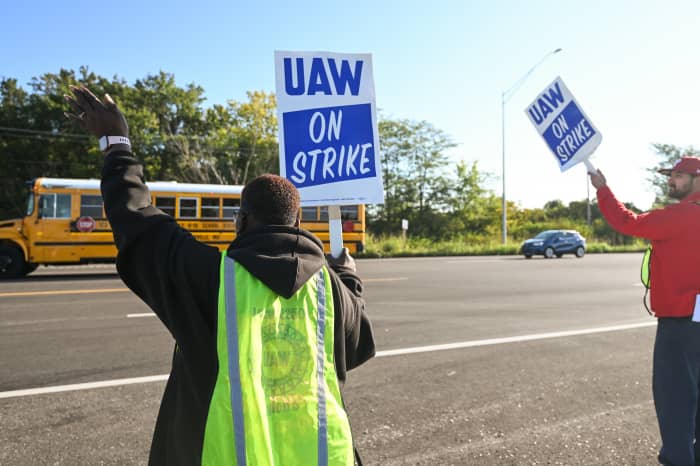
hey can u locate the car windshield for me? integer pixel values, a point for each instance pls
(544, 235)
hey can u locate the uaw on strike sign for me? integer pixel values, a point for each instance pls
(329, 144)
(566, 129)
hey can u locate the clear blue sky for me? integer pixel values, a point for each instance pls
(632, 65)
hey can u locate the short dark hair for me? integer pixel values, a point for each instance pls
(271, 199)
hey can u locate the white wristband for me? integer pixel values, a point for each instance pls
(108, 141)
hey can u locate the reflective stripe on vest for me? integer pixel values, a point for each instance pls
(646, 268)
(276, 400)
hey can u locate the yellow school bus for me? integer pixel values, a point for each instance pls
(65, 222)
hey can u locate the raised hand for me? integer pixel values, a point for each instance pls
(97, 117)
(598, 179)
(344, 261)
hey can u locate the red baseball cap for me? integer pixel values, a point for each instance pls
(689, 165)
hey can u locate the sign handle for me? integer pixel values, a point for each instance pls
(335, 229)
(589, 166)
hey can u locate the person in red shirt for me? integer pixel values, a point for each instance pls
(674, 232)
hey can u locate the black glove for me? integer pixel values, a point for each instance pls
(343, 262)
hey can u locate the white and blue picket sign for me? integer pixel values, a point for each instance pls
(328, 127)
(565, 128)
(329, 141)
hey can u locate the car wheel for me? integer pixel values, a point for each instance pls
(549, 252)
(12, 263)
(580, 252)
(528, 256)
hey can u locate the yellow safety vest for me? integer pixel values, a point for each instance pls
(646, 268)
(646, 278)
(276, 401)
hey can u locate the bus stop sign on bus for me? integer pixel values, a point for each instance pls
(85, 224)
(329, 144)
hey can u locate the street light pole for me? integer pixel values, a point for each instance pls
(588, 201)
(504, 219)
(505, 97)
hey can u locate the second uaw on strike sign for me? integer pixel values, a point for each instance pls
(563, 125)
(329, 143)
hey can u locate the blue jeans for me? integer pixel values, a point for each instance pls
(676, 378)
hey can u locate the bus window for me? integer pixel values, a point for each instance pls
(54, 206)
(91, 206)
(46, 206)
(309, 214)
(231, 207)
(323, 214)
(210, 207)
(166, 204)
(349, 212)
(188, 207)
(63, 206)
(30, 204)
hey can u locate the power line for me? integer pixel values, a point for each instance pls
(57, 134)
(31, 134)
(156, 140)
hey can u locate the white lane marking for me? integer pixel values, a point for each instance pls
(521, 338)
(396, 352)
(82, 386)
(144, 314)
(394, 279)
(60, 292)
(469, 261)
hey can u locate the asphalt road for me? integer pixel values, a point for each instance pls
(550, 363)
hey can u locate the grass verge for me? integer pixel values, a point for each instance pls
(395, 246)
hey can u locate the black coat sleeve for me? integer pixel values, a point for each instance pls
(353, 330)
(177, 276)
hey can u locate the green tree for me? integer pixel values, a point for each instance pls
(255, 131)
(15, 147)
(37, 140)
(473, 211)
(165, 124)
(170, 130)
(414, 170)
(220, 163)
(242, 139)
(394, 137)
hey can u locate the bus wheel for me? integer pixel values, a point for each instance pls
(31, 267)
(12, 263)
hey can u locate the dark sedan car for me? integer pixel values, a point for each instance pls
(552, 243)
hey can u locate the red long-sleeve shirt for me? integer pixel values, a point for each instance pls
(674, 232)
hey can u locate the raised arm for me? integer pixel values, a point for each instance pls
(157, 259)
(654, 225)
